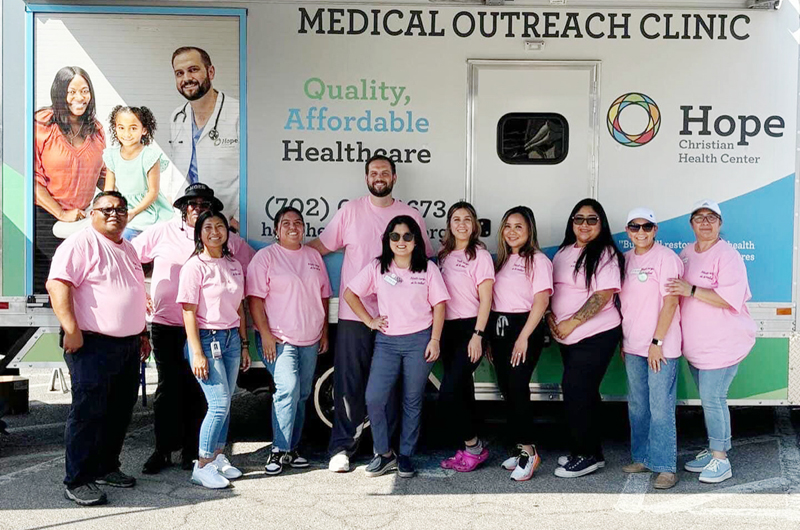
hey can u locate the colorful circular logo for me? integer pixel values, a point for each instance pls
(638, 138)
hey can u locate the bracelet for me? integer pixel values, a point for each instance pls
(245, 342)
(478, 332)
(437, 340)
(694, 288)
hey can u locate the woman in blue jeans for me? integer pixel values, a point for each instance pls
(411, 303)
(211, 291)
(651, 346)
(718, 331)
(288, 291)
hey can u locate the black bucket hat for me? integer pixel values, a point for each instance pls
(198, 190)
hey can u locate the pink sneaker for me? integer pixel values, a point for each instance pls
(450, 463)
(469, 461)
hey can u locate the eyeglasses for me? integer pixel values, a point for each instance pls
(591, 220)
(108, 211)
(408, 237)
(199, 204)
(647, 227)
(710, 218)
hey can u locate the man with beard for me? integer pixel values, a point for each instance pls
(357, 227)
(205, 131)
(96, 286)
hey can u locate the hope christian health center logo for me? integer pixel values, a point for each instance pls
(636, 138)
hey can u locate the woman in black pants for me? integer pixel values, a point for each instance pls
(468, 272)
(522, 289)
(585, 320)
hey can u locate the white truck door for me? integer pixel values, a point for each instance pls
(532, 140)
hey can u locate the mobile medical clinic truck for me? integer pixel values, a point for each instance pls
(642, 103)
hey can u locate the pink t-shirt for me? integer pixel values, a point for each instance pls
(514, 287)
(408, 304)
(216, 286)
(168, 245)
(642, 298)
(714, 337)
(357, 227)
(462, 277)
(108, 293)
(292, 284)
(570, 292)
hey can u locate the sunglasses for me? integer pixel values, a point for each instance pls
(199, 204)
(591, 220)
(711, 218)
(108, 211)
(408, 237)
(647, 227)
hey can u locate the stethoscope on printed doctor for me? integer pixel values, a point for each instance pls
(213, 133)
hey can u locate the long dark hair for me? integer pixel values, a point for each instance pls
(419, 261)
(592, 253)
(449, 242)
(531, 246)
(60, 108)
(198, 230)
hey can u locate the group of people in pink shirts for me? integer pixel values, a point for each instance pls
(398, 314)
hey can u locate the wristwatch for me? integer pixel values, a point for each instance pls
(478, 332)
(658, 342)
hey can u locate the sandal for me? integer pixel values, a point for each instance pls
(450, 463)
(469, 461)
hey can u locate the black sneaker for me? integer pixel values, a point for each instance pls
(405, 468)
(274, 465)
(117, 479)
(86, 495)
(578, 466)
(294, 459)
(156, 463)
(380, 465)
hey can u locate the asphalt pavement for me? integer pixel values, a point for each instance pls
(763, 493)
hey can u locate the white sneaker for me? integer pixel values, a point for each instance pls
(340, 463)
(510, 463)
(225, 467)
(208, 476)
(526, 465)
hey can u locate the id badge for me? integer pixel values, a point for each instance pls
(391, 279)
(216, 350)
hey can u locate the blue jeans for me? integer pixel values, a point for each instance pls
(219, 387)
(293, 373)
(713, 386)
(651, 409)
(395, 357)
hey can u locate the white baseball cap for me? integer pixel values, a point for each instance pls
(708, 204)
(641, 213)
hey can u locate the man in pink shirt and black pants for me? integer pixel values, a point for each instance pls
(96, 287)
(357, 227)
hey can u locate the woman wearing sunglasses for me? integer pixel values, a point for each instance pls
(585, 320)
(468, 272)
(651, 344)
(411, 304)
(718, 331)
(522, 289)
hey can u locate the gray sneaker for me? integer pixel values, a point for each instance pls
(86, 495)
(117, 479)
(381, 465)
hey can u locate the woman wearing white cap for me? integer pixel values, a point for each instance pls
(651, 345)
(718, 331)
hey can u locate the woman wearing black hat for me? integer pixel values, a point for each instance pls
(179, 404)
